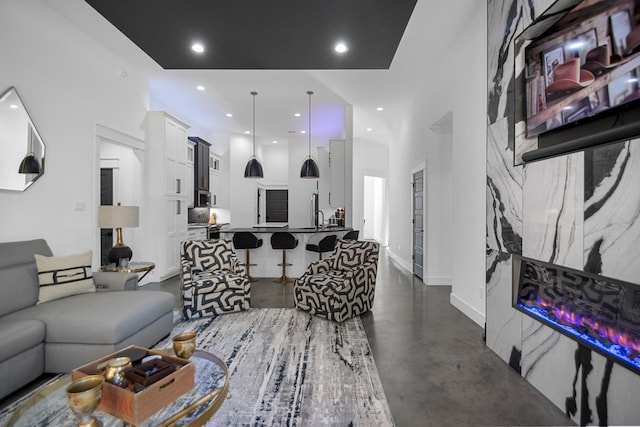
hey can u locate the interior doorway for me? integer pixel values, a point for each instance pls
(418, 223)
(106, 198)
(373, 227)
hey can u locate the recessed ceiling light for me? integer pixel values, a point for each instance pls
(13, 106)
(200, 87)
(229, 115)
(369, 129)
(341, 47)
(297, 114)
(197, 47)
(379, 109)
(248, 132)
(275, 142)
(303, 131)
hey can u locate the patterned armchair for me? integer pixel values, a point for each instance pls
(213, 281)
(342, 286)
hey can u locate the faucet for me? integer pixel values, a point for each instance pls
(322, 223)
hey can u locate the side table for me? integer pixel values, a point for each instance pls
(143, 267)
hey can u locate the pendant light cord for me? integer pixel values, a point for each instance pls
(309, 93)
(254, 122)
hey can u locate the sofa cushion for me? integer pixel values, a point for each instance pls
(18, 336)
(18, 274)
(61, 277)
(99, 318)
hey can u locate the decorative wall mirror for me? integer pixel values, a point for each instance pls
(22, 160)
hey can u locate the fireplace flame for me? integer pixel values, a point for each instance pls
(626, 344)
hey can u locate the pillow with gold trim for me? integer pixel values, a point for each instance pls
(61, 277)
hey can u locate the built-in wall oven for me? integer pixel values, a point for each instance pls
(203, 199)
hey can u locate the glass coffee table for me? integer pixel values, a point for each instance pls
(49, 405)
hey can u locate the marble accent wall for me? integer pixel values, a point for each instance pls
(580, 210)
(612, 211)
(552, 205)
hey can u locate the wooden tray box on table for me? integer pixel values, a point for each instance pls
(132, 407)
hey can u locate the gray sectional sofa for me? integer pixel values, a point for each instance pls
(62, 334)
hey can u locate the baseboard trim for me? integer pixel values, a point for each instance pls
(467, 310)
(437, 280)
(401, 262)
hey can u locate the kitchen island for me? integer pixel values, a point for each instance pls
(267, 259)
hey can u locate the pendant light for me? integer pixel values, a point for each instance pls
(309, 168)
(29, 164)
(253, 168)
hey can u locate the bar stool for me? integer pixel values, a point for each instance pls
(351, 235)
(246, 240)
(283, 240)
(327, 244)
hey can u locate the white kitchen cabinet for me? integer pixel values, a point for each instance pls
(214, 178)
(336, 173)
(218, 176)
(169, 193)
(324, 182)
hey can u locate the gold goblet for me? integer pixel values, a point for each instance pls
(184, 344)
(84, 396)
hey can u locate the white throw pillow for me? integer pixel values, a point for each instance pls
(61, 277)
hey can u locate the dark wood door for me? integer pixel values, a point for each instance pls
(277, 206)
(106, 198)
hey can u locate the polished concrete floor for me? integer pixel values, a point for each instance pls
(434, 365)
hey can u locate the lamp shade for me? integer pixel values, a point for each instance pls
(118, 216)
(29, 164)
(253, 168)
(309, 169)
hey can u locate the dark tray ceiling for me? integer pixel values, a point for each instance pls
(262, 34)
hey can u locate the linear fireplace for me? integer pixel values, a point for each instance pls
(599, 312)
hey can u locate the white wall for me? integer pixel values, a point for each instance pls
(457, 83)
(69, 83)
(242, 191)
(369, 159)
(438, 191)
(300, 190)
(275, 164)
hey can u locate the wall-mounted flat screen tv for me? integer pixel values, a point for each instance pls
(585, 64)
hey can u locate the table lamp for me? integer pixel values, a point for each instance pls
(117, 217)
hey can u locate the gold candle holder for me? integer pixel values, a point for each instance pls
(184, 344)
(84, 396)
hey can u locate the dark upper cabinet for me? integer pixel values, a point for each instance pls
(201, 171)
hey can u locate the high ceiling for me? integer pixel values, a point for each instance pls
(259, 34)
(406, 50)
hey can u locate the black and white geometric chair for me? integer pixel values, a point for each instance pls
(342, 286)
(213, 280)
